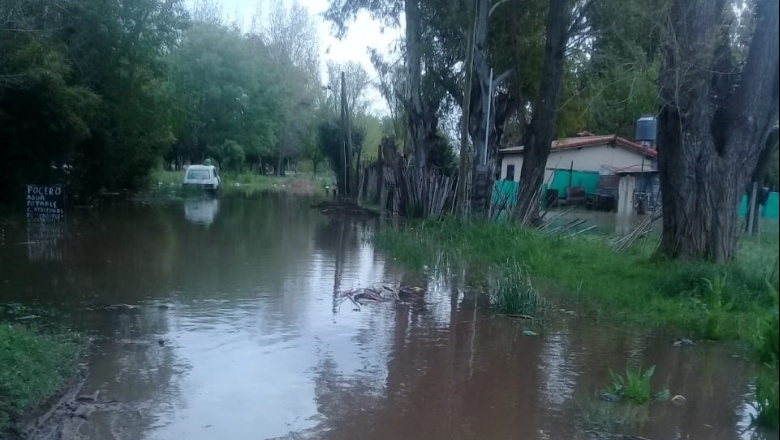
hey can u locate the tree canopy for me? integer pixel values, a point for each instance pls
(95, 94)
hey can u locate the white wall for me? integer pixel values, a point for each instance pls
(585, 159)
(626, 189)
(517, 161)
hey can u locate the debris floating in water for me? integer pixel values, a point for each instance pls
(381, 293)
(683, 342)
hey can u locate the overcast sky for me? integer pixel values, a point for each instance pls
(364, 33)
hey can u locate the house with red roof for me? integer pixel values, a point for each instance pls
(592, 165)
(586, 153)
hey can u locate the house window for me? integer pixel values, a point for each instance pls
(510, 172)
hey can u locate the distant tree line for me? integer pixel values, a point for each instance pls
(94, 94)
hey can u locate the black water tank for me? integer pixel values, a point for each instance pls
(645, 129)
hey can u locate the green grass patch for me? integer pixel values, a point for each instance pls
(766, 337)
(249, 182)
(512, 292)
(33, 367)
(633, 385)
(767, 397)
(697, 299)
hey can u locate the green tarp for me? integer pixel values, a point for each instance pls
(586, 179)
(505, 191)
(769, 210)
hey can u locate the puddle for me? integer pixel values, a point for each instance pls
(238, 333)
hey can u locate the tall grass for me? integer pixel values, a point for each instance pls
(512, 292)
(766, 338)
(766, 344)
(768, 397)
(697, 299)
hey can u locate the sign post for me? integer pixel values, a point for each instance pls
(45, 203)
(45, 222)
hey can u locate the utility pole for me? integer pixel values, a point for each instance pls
(346, 135)
(342, 150)
(483, 159)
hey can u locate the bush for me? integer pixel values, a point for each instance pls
(513, 293)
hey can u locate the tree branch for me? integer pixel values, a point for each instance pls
(493, 8)
(758, 86)
(449, 84)
(501, 78)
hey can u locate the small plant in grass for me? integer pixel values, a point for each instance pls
(767, 395)
(513, 293)
(766, 338)
(634, 385)
(714, 306)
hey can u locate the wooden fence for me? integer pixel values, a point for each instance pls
(403, 190)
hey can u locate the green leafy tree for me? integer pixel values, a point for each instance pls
(97, 107)
(118, 48)
(226, 85)
(329, 138)
(229, 155)
(292, 44)
(40, 140)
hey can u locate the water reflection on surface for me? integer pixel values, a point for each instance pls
(202, 210)
(239, 335)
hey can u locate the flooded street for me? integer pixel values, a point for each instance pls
(218, 319)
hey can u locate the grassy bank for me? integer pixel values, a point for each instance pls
(34, 367)
(737, 301)
(691, 299)
(249, 182)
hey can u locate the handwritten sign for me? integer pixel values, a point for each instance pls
(45, 203)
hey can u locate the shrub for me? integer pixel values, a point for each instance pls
(513, 293)
(634, 385)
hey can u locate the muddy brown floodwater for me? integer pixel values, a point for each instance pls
(236, 335)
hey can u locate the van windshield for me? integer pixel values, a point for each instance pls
(198, 174)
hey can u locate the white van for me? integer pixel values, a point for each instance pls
(201, 176)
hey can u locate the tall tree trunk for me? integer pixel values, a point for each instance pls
(280, 165)
(709, 138)
(415, 111)
(487, 113)
(539, 136)
(464, 123)
(343, 167)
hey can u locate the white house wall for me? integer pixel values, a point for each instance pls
(585, 159)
